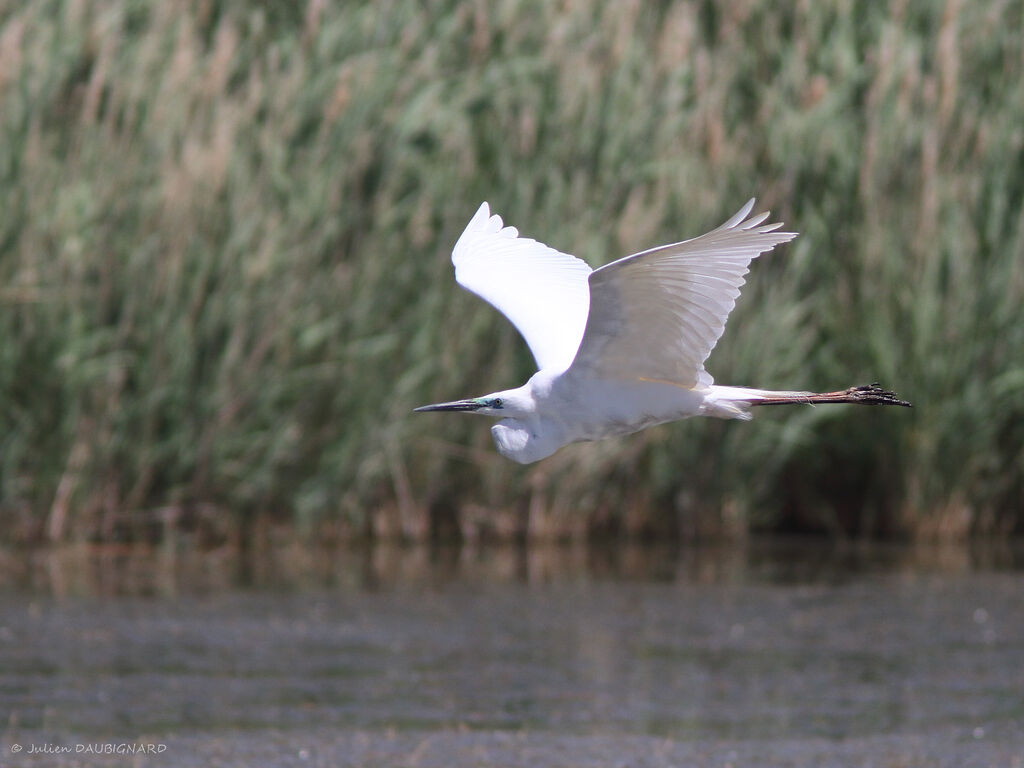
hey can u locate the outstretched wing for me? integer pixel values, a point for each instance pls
(657, 315)
(543, 292)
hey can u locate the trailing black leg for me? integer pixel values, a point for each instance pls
(868, 394)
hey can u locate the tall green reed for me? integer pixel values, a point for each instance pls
(225, 231)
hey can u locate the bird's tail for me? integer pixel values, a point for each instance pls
(733, 402)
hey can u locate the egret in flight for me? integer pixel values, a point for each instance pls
(622, 347)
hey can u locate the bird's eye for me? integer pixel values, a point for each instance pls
(496, 402)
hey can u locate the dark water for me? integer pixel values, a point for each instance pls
(768, 654)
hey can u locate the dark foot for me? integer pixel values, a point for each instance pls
(872, 394)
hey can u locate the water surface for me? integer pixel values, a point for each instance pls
(767, 654)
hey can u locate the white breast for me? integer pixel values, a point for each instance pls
(521, 443)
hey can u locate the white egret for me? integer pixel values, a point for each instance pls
(622, 347)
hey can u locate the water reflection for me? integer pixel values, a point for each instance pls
(771, 652)
(85, 570)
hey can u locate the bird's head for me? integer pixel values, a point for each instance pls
(511, 403)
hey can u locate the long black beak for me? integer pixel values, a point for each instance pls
(457, 405)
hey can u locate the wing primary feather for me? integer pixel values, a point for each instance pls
(755, 220)
(739, 216)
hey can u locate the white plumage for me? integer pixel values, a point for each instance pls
(543, 292)
(622, 347)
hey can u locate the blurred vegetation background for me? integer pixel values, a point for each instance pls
(225, 231)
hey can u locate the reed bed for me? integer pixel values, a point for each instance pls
(225, 230)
